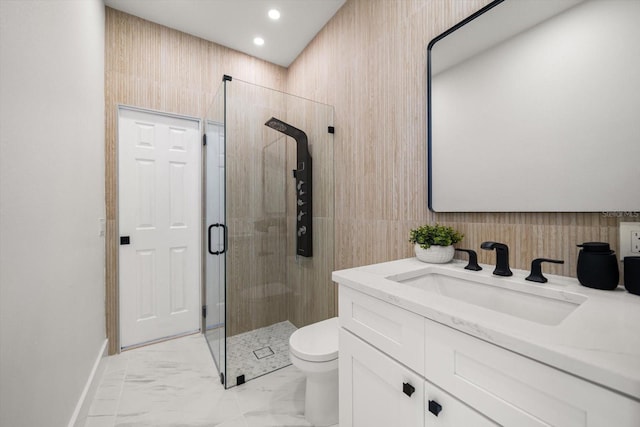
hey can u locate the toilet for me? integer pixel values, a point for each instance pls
(314, 350)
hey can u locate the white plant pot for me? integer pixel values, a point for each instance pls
(435, 254)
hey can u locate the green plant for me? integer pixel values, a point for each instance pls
(439, 235)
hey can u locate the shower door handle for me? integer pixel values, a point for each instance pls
(224, 239)
(209, 239)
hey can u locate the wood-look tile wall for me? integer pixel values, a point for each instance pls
(309, 279)
(154, 67)
(256, 274)
(369, 62)
(266, 282)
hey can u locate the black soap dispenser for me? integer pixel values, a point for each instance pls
(598, 266)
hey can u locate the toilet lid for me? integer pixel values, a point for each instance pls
(317, 342)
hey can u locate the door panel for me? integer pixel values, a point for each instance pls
(145, 282)
(159, 182)
(178, 283)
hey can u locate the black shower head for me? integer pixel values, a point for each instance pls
(293, 132)
(278, 125)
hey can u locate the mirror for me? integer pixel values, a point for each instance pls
(534, 106)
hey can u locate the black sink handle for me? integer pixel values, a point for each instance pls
(536, 269)
(473, 260)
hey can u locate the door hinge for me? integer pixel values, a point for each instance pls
(204, 311)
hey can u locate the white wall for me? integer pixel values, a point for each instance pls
(51, 198)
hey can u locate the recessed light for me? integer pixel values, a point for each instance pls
(258, 41)
(274, 14)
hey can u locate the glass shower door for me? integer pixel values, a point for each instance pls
(215, 233)
(278, 210)
(261, 282)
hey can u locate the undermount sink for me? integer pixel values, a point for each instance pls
(531, 302)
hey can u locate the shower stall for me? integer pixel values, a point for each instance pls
(269, 208)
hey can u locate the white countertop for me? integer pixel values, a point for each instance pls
(599, 341)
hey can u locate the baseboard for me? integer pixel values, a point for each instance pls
(82, 408)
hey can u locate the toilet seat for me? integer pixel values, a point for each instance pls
(317, 342)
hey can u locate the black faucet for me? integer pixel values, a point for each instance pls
(473, 260)
(502, 257)
(536, 269)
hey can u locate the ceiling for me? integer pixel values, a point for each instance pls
(235, 23)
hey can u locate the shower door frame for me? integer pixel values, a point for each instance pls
(215, 147)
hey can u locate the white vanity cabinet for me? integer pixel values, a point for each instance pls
(381, 349)
(398, 368)
(381, 370)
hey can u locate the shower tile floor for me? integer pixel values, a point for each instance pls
(258, 352)
(175, 383)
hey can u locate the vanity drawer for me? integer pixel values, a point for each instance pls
(397, 332)
(516, 391)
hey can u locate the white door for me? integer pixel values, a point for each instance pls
(159, 211)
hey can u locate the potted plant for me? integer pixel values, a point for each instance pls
(434, 243)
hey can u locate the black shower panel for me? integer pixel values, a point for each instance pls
(304, 186)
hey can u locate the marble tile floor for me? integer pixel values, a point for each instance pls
(175, 383)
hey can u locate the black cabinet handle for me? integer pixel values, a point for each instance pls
(434, 407)
(224, 239)
(408, 389)
(124, 240)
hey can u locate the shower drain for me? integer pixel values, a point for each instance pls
(263, 352)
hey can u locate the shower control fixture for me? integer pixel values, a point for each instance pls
(303, 176)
